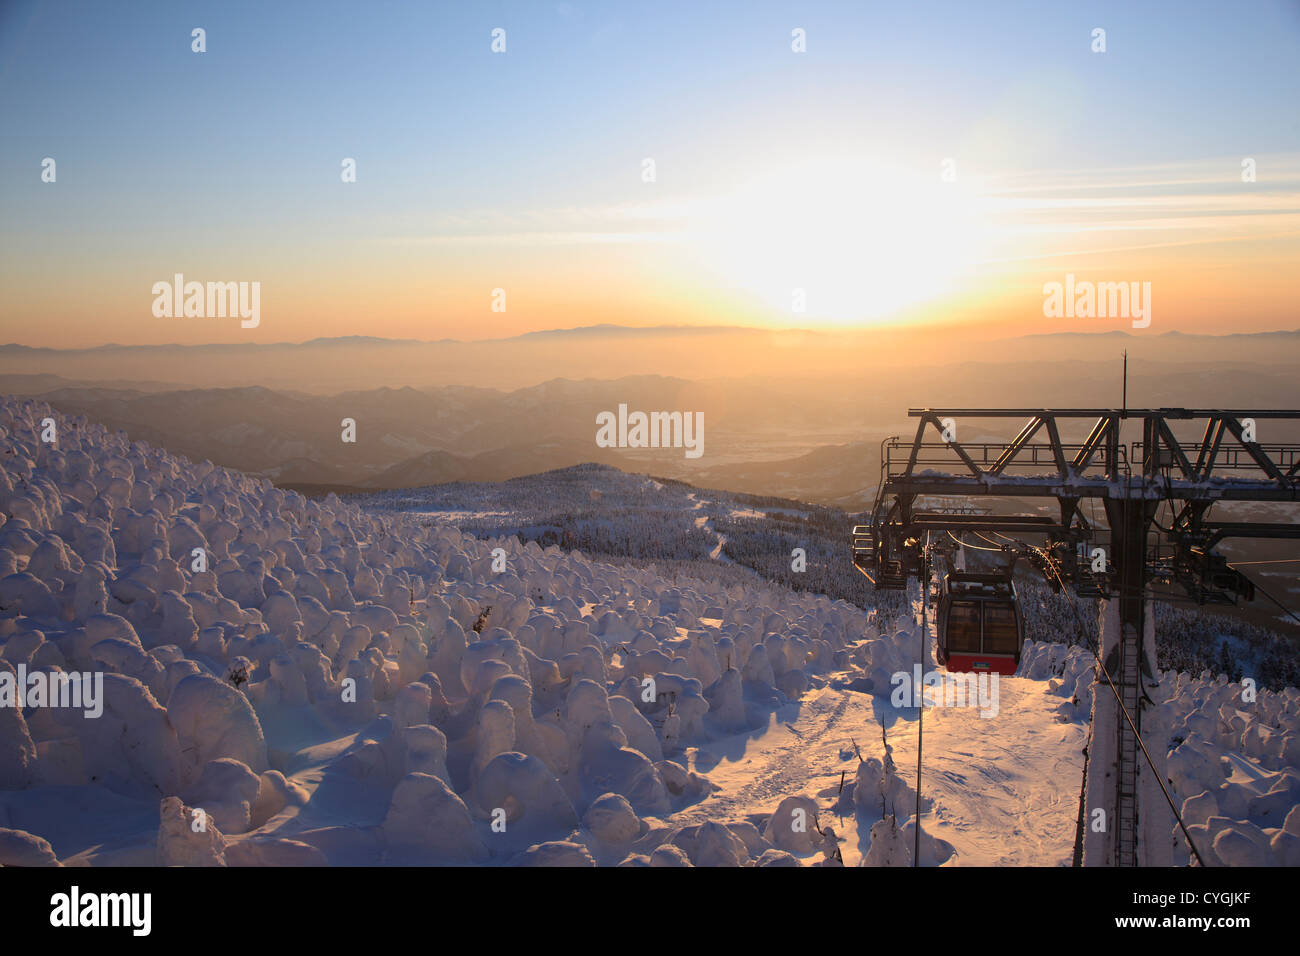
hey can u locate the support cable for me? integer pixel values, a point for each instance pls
(920, 710)
(1267, 595)
(1133, 727)
(974, 547)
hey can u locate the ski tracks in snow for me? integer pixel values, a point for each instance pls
(796, 752)
(702, 522)
(1003, 790)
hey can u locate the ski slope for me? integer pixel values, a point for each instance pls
(1003, 791)
(278, 681)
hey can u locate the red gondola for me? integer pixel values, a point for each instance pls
(979, 625)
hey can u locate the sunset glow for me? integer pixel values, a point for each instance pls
(789, 191)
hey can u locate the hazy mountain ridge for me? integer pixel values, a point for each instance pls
(333, 365)
(816, 441)
(611, 329)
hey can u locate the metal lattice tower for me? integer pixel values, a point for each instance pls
(1131, 482)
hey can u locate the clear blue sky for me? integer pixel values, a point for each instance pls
(159, 147)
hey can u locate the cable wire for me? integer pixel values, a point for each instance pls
(1132, 726)
(920, 711)
(1284, 608)
(973, 547)
(1001, 547)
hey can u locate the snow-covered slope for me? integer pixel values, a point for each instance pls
(618, 516)
(276, 680)
(342, 687)
(1233, 754)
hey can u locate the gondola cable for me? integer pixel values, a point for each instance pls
(1133, 727)
(920, 711)
(1284, 608)
(1128, 718)
(974, 547)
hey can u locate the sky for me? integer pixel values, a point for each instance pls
(918, 164)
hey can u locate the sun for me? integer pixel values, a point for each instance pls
(856, 240)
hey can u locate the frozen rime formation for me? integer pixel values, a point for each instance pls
(328, 684)
(522, 790)
(212, 720)
(1233, 820)
(793, 827)
(427, 821)
(19, 848)
(185, 839)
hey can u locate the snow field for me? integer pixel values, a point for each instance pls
(1233, 755)
(299, 682)
(312, 682)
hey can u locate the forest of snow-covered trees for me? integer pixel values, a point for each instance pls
(610, 515)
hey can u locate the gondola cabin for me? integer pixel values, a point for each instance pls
(979, 625)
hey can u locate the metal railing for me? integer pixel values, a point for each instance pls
(898, 455)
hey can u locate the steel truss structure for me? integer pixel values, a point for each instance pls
(1130, 481)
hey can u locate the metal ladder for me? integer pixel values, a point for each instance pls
(1130, 691)
(885, 574)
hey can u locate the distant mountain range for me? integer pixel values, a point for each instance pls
(331, 365)
(795, 436)
(612, 330)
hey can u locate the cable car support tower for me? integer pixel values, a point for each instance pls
(1118, 563)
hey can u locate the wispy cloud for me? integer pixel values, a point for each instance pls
(567, 225)
(1183, 204)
